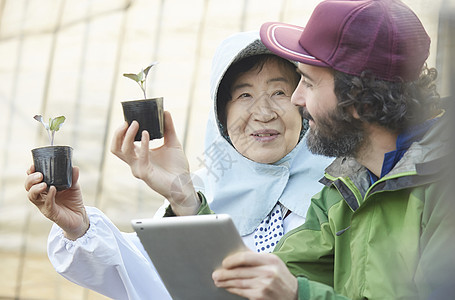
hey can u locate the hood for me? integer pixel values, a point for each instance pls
(240, 187)
(231, 50)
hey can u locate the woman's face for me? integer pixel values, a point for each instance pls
(262, 123)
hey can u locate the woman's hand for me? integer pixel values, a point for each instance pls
(165, 169)
(256, 276)
(65, 208)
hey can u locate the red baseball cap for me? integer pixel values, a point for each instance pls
(384, 37)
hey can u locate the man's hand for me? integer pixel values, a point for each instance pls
(256, 276)
(65, 208)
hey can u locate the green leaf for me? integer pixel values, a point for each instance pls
(134, 77)
(56, 123)
(141, 76)
(146, 70)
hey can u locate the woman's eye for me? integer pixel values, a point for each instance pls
(244, 96)
(279, 93)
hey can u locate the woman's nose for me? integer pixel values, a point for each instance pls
(263, 110)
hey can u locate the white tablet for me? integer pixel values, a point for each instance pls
(186, 251)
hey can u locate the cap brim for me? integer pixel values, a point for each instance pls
(283, 40)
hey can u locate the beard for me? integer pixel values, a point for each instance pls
(334, 136)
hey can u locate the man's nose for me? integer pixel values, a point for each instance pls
(297, 97)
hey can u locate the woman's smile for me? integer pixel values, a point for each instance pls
(265, 135)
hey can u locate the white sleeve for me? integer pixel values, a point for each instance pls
(106, 260)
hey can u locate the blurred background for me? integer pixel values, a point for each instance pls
(67, 57)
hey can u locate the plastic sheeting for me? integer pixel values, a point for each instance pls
(67, 57)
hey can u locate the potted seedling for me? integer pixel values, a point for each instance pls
(55, 162)
(148, 112)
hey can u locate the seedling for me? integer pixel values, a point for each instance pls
(54, 162)
(141, 77)
(51, 127)
(147, 112)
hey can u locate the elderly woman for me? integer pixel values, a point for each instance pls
(256, 166)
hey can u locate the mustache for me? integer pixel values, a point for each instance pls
(304, 113)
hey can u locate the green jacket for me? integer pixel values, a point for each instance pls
(394, 239)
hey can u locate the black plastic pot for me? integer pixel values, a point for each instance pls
(148, 113)
(55, 162)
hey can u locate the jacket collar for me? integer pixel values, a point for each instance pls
(423, 163)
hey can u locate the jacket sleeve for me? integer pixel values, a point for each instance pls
(308, 250)
(315, 290)
(435, 272)
(106, 260)
(204, 208)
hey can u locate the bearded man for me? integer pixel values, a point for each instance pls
(382, 227)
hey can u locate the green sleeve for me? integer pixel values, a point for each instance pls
(315, 290)
(436, 267)
(204, 209)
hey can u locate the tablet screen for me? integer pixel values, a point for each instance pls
(186, 250)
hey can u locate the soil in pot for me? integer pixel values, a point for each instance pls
(148, 113)
(55, 162)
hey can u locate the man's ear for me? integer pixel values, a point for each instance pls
(353, 111)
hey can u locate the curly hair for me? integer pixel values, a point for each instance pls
(393, 105)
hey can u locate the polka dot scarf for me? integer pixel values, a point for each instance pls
(270, 231)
